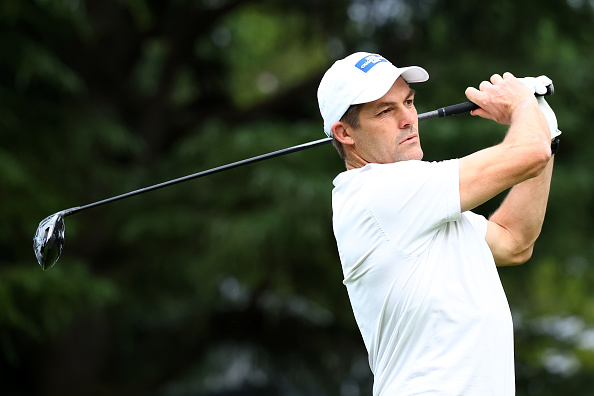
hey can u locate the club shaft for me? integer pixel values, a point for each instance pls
(441, 112)
(207, 172)
(278, 153)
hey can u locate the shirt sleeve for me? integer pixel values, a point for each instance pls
(409, 200)
(479, 222)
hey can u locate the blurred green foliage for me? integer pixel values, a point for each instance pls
(231, 284)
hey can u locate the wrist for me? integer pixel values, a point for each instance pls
(526, 110)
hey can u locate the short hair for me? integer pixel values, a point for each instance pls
(350, 117)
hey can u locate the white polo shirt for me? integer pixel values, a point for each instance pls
(422, 282)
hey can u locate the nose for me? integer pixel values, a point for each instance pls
(408, 118)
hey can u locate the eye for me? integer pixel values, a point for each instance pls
(385, 111)
(409, 102)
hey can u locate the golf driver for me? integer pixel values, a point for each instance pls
(48, 241)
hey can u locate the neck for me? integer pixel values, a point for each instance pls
(354, 161)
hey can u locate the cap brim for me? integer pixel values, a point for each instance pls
(414, 74)
(380, 85)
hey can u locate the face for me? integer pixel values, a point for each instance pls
(388, 129)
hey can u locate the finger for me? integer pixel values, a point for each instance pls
(541, 84)
(544, 80)
(481, 113)
(484, 85)
(496, 78)
(539, 88)
(473, 94)
(477, 96)
(508, 75)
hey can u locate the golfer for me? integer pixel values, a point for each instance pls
(418, 265)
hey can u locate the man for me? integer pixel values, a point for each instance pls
(419, 267)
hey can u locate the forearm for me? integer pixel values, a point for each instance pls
(521, 156)
(522, 212)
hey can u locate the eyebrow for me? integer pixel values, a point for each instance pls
(411, 92)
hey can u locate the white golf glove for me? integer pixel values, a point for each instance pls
(550, 116)
(539, 86)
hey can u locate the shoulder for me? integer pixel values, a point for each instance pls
(404, 176)
(415, 173)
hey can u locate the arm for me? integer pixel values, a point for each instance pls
(522, 160)
(524, 152)
(512, 230)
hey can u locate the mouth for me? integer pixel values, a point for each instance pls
(410, 138)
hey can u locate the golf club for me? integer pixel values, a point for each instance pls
(48, 240)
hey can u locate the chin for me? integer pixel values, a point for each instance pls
(416, 154)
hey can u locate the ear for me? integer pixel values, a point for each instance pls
(342, 132)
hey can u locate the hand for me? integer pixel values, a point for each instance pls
(501, 98)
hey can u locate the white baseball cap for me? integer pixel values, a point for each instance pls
(361, 77)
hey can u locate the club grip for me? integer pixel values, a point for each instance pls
(457, 109)
(469, 106)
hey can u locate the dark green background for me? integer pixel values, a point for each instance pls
(231, 285)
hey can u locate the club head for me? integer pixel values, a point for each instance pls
(49, 240)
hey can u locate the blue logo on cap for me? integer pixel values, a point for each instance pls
(369, 61)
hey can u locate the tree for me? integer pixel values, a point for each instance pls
(232, 283)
